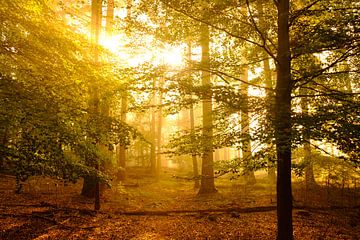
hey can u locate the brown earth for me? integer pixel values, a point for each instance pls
(168, 209)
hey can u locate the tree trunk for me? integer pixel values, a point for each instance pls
(109, 18)
(270, 96)
(88, 185)
(194, 159)
(270, 113)
(122, 147)
(309, 171)
(4, 141)
(152, 133)
(245, 129)
(283, 125)
(192, 129)
(207, 167)
(159, 132)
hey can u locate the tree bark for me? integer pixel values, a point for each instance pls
(192, 130)
(96, 17)
(124, 100)
(152, 133)
(309, 171)
(4, 141)
(283, 125)
(193, 156)
(109, 18)
(122, 147)
(91, 186)
(270, 114)
(245, 128)
(159, 132)
(207, 173)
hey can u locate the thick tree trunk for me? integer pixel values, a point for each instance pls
(89, 185)
(283, 125)
(96, 16)
(207, 173)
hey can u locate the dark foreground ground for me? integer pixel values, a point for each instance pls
(168, 209)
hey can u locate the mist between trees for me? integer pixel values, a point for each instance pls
(260, 94)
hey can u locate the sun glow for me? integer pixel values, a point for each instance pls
(146, 52)
(170, 55)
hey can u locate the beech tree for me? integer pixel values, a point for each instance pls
(40, 142)
(312, 46)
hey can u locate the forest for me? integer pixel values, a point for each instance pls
(180, 119)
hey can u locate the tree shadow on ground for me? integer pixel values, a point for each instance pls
(31, 229)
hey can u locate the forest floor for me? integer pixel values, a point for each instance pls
(143, 208)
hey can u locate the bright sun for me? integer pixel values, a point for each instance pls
(170, 55)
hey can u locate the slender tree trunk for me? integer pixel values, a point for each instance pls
(217, 155)
(159, 131)
(207, 173)
(4, 142)
(245, 128)
(309, 171)
(128, 8)
(122, 147)
(270, 113)
(192, 129)
(152, 133)
(270, 96)
(109, 18)
(283, 125)
(193, 156)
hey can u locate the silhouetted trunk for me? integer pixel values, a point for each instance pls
(97, 18)
(89, 186)
(207, 167)
(4, 142)
(283, 125)
(245, 129)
